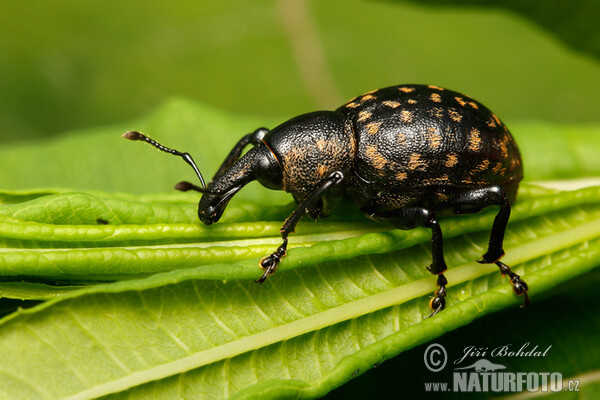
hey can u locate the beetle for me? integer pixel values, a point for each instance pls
(404, 154)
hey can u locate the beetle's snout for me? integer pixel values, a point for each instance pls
(209, 215)
(212, 207)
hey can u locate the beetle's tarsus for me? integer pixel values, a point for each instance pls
(438, 302)
(520, 288)
(269, 264)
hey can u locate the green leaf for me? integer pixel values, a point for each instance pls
(560, 320)
(210, 331)
(95, 252)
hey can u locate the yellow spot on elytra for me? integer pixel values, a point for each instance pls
(406, 116)
(460, 101)
(451, 160)
(498, 169)
(441, 196)
(435, 97)
(352, 105)
(406, 89)
(434, 137)
(437, 112)
(474, 140)
(377, 160)
(474, 105)
(467, 181)
(416, 162)
(437, 180)
(392, 104)
(504, 149)
(454, 115)
(496, 119)
(366, 97)
(373, 128)
(435, 87)
(401, 176)
(363, 115)
(483, 166)
(411, 101)
(491, 123)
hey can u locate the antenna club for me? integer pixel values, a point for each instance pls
(183, 186)
(134, 135)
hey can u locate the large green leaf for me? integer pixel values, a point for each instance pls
(40, 244)
(561, 320)
(210, 331)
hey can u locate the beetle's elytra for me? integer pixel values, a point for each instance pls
(404, 154)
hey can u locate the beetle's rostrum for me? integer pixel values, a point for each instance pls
(404, 154)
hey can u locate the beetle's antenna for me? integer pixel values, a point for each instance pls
(134, 135)
(185, 186)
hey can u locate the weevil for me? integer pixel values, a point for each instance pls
(404, 154)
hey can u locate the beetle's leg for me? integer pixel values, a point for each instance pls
(407, 218)
(269, 263)
(478, 199)
(252, 138)
(518, 284)
(495, 250)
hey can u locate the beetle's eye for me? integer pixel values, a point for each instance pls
(269, 173)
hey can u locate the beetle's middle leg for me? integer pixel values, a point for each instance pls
(411, 217)
(476, 200)
(269, 263)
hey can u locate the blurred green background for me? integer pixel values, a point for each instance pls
(69, 64)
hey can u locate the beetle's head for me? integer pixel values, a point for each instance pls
(258, 164)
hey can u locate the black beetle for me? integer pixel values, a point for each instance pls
(404, 154)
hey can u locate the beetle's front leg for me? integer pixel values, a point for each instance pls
(252, 138)
(269, 263)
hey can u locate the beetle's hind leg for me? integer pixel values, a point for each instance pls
(478, 199)
(269, 263)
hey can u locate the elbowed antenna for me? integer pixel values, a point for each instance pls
(185, 186)
(134, 135)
